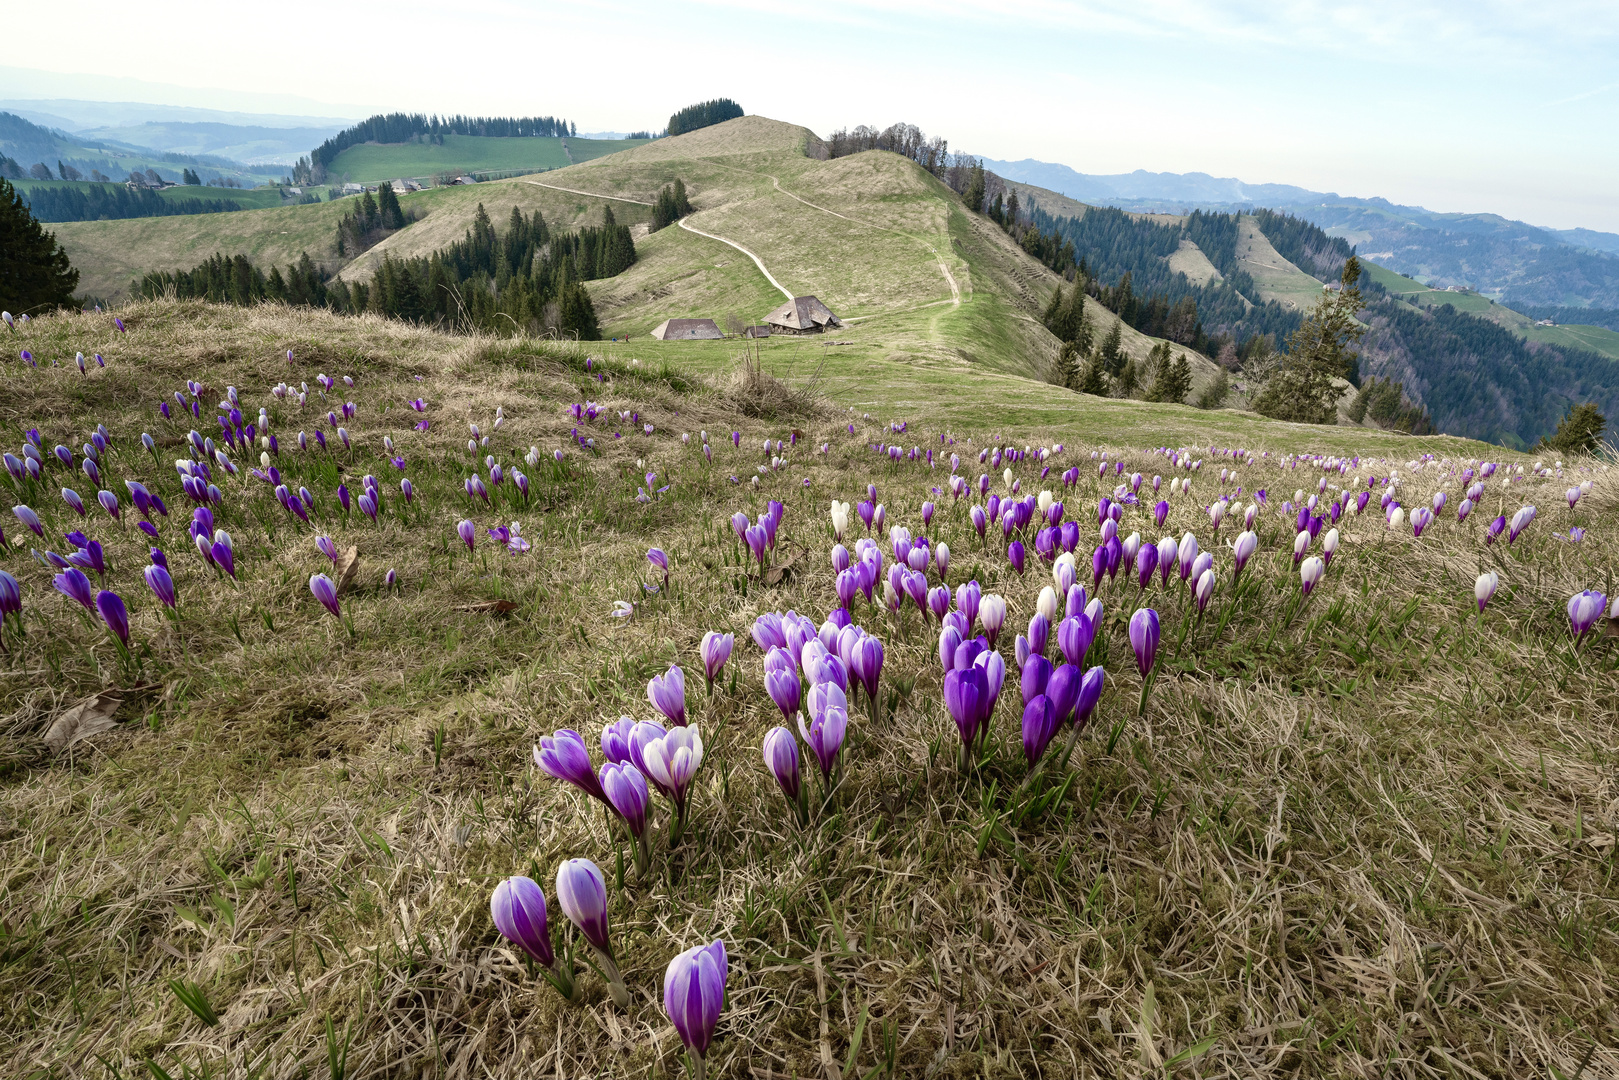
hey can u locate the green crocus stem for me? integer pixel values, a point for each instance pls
(696, 1065)
(801, 806)
(615, 980)
(1185, 624)
(561, 980)
(643, 855)
(1146, 688)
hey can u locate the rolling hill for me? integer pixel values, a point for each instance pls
(891, 250)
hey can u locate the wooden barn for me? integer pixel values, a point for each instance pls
(801, 315)
(687, 330)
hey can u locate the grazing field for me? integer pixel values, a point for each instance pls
(370, 162)
(1361, 830)
(1275, 277)
(248, 198)
(1595, 338)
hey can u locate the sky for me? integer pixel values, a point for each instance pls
(1484, 106)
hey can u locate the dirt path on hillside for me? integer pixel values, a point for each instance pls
(591, 194)
(638, 202)
(685, 224)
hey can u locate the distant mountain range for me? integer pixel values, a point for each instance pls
(1505, 259)
(251, 138)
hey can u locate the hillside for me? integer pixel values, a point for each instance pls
(371, 162)
(891, 250)
(261, 838)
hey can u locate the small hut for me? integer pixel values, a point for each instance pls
(801, 315)
(687, 330)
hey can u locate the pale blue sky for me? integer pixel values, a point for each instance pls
(1511, 108)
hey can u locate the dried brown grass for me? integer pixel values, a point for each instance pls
(1369, 851)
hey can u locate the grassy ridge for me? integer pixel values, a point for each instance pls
(248, 198)
(370, 162)
(1377, 829)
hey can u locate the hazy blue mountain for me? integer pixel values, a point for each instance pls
(239, 142)
(1507, 259)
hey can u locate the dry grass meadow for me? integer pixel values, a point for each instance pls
(1376, 840)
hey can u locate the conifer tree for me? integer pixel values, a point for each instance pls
(1111, 353)
(1093, 379)
(1319, 351)
(35, 274)
(389, 213)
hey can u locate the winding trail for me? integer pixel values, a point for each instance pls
(756, 261)
(590, 194)
(683, 224)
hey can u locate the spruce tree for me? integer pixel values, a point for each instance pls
(1111, 353)
(1093, 379)
(974, 195)
(35, 274)
(1579, 433)
(390, 215)
(682, 204)
(1127, 379)
(1319, 351)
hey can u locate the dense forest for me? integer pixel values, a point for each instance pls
(104, 202)
(404, 127)
(525, 280)
(234, 280)
(1126, 259)
(1479, 379)
(702, 115)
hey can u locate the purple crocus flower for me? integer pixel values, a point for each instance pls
(781, 758)
(26, 515)
(565, 757)
(968, 598)
(468, 532)
(1016, 556)
(693, 995)
(716, 650)
(825, 732)
(626, 792)
(660, 559)
(1484, 588)
(784, 689)
(326, 593)
(1146, 564)
(1495, 529)
(73, 584)
(73, 501)
(582, 892)
(966, 695)
(518, 909)
(1584, 609)
(109, 503)
(667, 693)
(1074, 637)
(866, 663)
(114, 614)
(161, 584)
(1039, 725)
(1144, 638)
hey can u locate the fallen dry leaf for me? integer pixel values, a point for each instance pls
(348, 565)
(782, 571)
(498, 606)
(89, 717)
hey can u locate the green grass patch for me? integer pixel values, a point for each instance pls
(371, 162)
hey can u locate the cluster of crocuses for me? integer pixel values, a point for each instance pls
(640, 757)
(811, 675)
(760, 536)
(907, 576)
(637, 754)
(693, 983)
